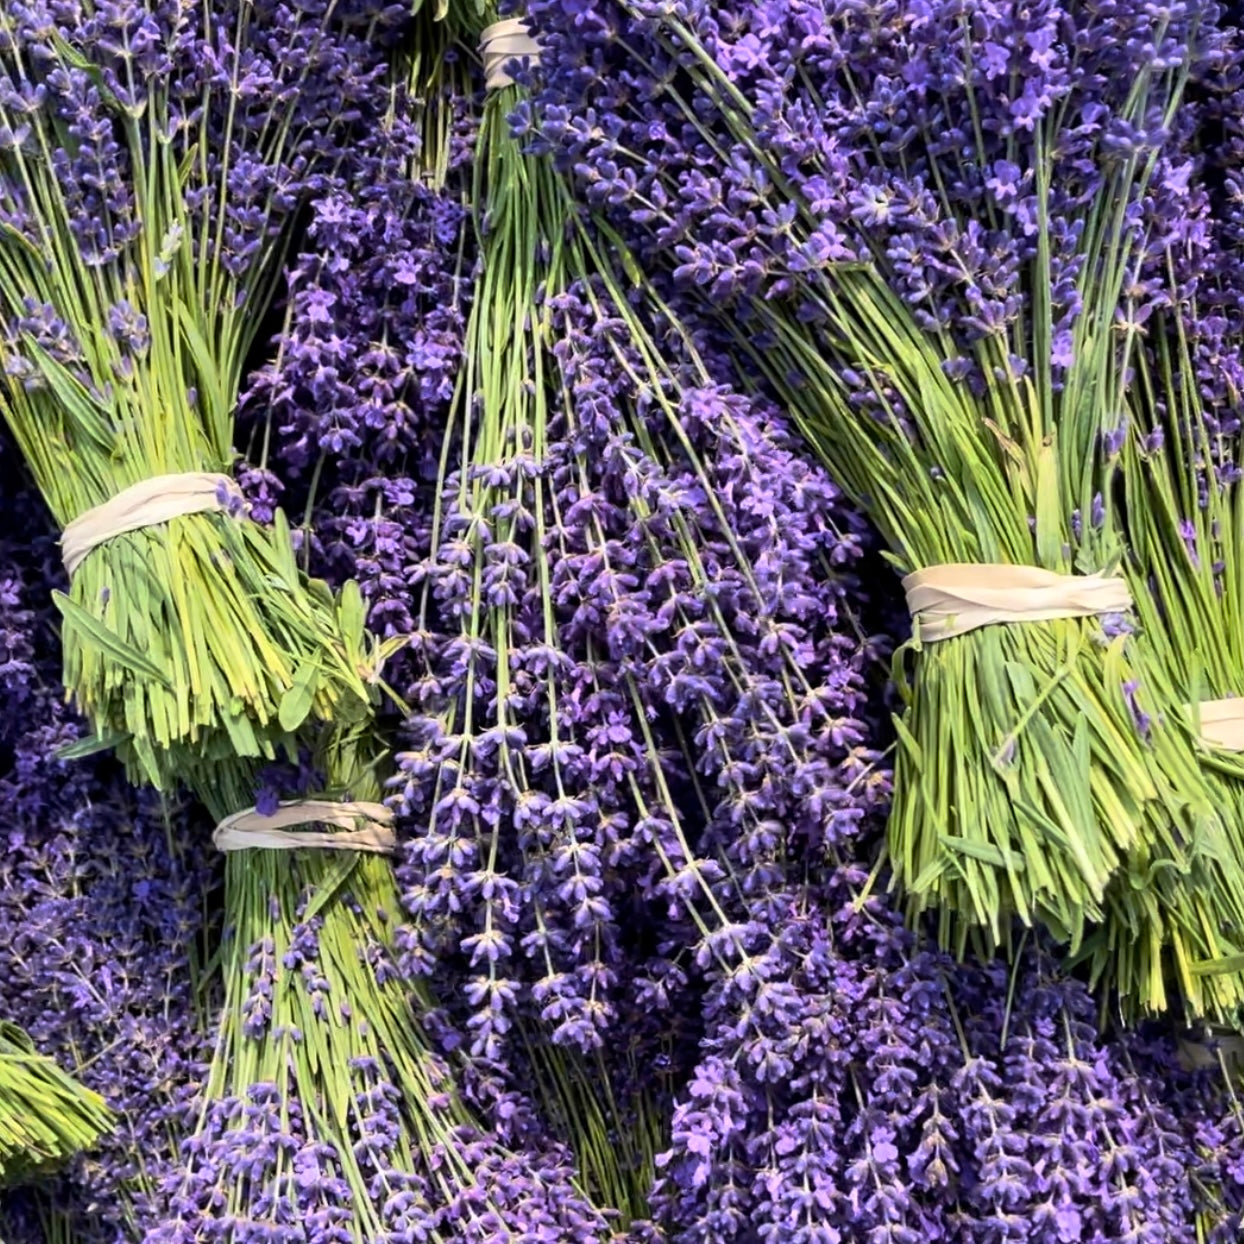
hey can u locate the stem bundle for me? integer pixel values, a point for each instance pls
(45, 1116)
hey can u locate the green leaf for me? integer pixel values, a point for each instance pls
(113, 645)
(211, 386)
(985, 852)
(92, 745)
(333, 880)
(297, 701)
(1218, 967)
(282, 548)
(320, 592)
(13, 234)
(87, 415)
(352, 615)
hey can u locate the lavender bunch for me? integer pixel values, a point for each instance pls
(334, 1107)
(350, 413)
(1180, 322)
(921, 230)
(604, 613)
(587, 588)
(153, 159)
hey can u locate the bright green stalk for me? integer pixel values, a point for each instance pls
(45, 1116)
(1185, 523)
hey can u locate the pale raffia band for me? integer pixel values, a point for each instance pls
(145, 504)
(953, 599)
(245, 830)
(501, 43)
(1222, 723)
(1203, 1055)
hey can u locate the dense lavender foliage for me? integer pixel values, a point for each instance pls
(314, 61)
(905, 128)
(847, 1086)
(102, 907)
(875, 1092)
(652, 652)
(344, 423)
(838, 1084)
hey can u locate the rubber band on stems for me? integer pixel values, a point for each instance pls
(501, 43)
(955, 598)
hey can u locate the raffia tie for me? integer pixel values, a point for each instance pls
(1222, 723)
(1200, 1055)
(285, 829)
(955, 598)
(501, 43)
(146, 504)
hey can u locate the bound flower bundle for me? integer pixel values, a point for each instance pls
(154, 159)
(923, 231)
(604, 624)
(145, 214)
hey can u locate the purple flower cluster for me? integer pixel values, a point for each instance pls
(680, 717)
(255, 101)
(857, 1088)
(632, 810)
(262, 1172)
(344, 421)
(910, 138)
(843, 1085)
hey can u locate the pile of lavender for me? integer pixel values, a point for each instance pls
(537, 388)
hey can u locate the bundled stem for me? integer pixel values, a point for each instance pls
(45, 1116)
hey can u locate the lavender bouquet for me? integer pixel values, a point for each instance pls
(335, 1107)
(587, 588)
(922, 238)
(152, 161)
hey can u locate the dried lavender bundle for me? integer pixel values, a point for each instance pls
(583, 586)
(329, 1110)
(151, 162)
(935, 299)
(387, 261)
